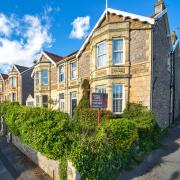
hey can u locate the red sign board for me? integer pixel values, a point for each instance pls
(99, 100)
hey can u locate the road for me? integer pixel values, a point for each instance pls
(162, 164)
(15, 165)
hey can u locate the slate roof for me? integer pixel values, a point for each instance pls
(4, 76)
(54, 57)
(21, 68)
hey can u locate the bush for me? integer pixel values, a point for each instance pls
(101, 157)
(46, 131)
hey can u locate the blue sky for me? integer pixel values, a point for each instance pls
(36, 24)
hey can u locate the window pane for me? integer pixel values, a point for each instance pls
(117, 98)
(117, 51)
(61, 72)
(101, 54)
(44, 77)
(73, 70)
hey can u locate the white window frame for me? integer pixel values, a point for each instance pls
(45, 84)
(37, 103)
(60, 73)
(100, 55)
(73, 70)
(100, 89)
(123, 98)
(123, 51)
(37, 78)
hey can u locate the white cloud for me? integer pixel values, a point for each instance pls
(22, 39)
(81, 26)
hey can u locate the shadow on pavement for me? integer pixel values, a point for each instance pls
(155, 159)
(18, 165)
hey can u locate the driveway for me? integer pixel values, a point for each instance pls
(15, 165)
(162, 164)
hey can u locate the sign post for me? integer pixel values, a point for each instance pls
(99, 101)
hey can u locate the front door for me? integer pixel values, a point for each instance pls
(73, 101)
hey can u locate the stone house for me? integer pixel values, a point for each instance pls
(3, 87)
(130, 57)
(56, 82)
(19, 84)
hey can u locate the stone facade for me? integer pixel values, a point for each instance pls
(144, 73)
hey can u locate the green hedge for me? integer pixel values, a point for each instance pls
(102, 156)
(96, 153)
(46, 131)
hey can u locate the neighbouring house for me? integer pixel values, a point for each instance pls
(30, 100)
(3, 87)
(20, 84)
(56, 81)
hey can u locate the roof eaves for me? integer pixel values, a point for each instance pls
(113, 11)
(175, 45)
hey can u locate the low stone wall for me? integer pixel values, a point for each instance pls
(51, 167)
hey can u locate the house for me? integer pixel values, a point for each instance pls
(56, 81)
(20, 84)
(3, 87)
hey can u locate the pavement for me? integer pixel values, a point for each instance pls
(161, 164)
(15, 165)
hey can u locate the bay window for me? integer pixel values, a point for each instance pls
(101, 54)
(118, 98)
(118, 51)
(61, 73)
(73, 70)
(45, 77)
(12, 82)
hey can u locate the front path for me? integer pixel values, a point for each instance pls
(15, 165)
(162, 164)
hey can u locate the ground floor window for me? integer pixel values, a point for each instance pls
(101, 89)
(30, 103)
(45, 101)
(73, 101)
(61, 102)
(37, 101)
(13, 97)
(118, 94)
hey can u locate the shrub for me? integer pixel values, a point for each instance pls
(101, 157)
(46, 131)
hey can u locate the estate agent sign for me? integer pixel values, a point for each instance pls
(99, 100)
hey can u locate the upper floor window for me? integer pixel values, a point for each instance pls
(61, 73)
(1, 87)
(37, 78)
(45, 77)
(73, 70)
(101, 89)
(101, 55)
(118, 51)
(12, 82)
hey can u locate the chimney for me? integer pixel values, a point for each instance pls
(173, 37)
(159, 6)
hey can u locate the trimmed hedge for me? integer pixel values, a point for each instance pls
(102, 156)
(96, 153)
(46, 131)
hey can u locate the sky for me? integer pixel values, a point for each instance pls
(59, 26)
